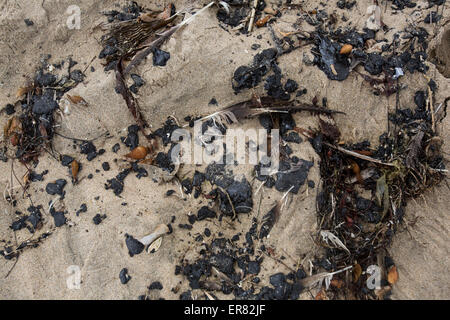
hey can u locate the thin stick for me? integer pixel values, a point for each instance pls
(81, 140)
(433, 124)
(357, 155)
(278, 260)
(229, 199)
(252, 17)
(17, 259)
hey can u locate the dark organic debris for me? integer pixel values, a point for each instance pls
(34, 176)
(106, 166)
(138, 81)
(83, 208)
(77, 75)
(292, 176)
(124, 276)
(160, 57)
(165, 133)
(98, 218)
(374, 63)
(116, 184)
(234, 18)
(330, 61)
(379, 217)
(66, 160)
(44, 104)
(134, 246)
(222, 267)
(240, 194)
(433, 17)
(401, 4)
(32, 222)
(205, 213)
(269, 220)
(155, 286)
(9, 109)
(345, 4)
(28, 22)
(246, 77)
(56, 187)
(59, 218)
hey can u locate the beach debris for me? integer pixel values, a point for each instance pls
(56, 187)
(74, 168)
(398, 73)
(224, 268)
(394, 172)
(392, 273)
(83, 208)
(235, 197)
(291, 177)
(148, 240)
(124, 276)
(160, 57)
(374, 20)
(346, 49)
(433, 17)
(402, 4)
(269, 220)
(134, 246)
(262, 22)
(106, 166)
(77, 100)
(330, 61)
(156, 285)
(345, 4)
(357, 272)
(98, 218)
(132, 138)
(238, 14)
(204, 213)
(117, 183)
(138, 153)
(259, 106)
(128, 30)
(327, 236)
(129, 38)
(31, 131)
(354, 227)
(58, 217)
(321, 278)
(154, 246)
(32, 222)
(247, 77)
(252, 16)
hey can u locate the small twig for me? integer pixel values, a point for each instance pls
(357, 155)
(89, 64)
(278, 260)
(15, 262)
(81, 140)
(231, 203)
(431, 106)
(252, 17)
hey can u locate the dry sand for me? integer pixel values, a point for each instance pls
(203, 59)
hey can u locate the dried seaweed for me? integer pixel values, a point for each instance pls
(353, 228)
(135, 40)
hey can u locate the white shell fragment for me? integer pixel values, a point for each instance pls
(150, 240)
(155, 245)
